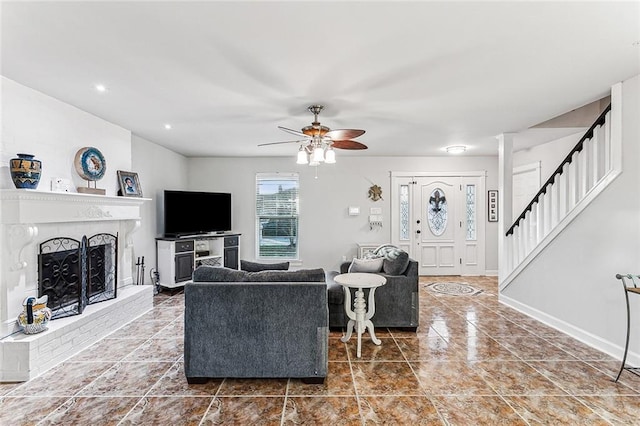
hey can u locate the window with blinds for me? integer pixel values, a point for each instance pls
(277, 215)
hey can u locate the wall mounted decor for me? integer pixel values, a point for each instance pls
(492, 205)
(375, 193)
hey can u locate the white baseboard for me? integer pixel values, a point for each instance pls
(491, 272)
(587, 338)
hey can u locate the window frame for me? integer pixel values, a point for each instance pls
(276, 176)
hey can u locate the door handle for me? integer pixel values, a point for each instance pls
(418, 231)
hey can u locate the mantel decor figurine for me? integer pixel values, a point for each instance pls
(25, 171)
(91, 166)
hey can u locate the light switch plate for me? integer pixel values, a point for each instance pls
(354, 211)
(375, 210)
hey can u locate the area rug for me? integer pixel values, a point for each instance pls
(451, 288)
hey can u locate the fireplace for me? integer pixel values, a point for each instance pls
(76, 273)
(31, 224)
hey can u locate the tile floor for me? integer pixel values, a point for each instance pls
(472, 362)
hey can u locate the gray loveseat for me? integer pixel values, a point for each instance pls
(397, 302)
(264, 324)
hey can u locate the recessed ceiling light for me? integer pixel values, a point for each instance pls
(167, 126)
(456, 149)
(101, 88)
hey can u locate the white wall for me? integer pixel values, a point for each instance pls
(53, 131)
(327, 232)
(549, 154)
(158, 169)
(572, 282)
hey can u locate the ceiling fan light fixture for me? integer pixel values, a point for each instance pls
(318, 155)
(330, 156)
(456, 149)
(302, 156)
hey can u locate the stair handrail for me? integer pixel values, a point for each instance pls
(577, 148)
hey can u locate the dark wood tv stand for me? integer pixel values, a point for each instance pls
(177, 257)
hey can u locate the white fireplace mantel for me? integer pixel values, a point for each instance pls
(24, 206)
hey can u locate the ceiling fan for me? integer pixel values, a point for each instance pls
(317, 141)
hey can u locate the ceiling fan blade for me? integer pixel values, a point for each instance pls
(344, 133)
(278, 143)
(348, 144)
(293, 132)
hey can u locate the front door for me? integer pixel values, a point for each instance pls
(436, 220)
(439, 222)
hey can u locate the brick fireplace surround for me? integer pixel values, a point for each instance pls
(29, 217)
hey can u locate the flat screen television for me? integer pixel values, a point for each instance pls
(193, 212)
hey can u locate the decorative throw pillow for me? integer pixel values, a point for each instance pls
(245, 265)
(396, 262)
(366, 265)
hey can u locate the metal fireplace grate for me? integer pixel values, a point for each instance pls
(74, 273)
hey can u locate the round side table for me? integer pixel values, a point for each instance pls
(361, 314)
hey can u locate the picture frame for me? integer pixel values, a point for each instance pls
(129, 184)
(492, 205)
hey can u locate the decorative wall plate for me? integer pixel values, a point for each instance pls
(90, 163)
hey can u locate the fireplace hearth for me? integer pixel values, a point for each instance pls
(76, 273)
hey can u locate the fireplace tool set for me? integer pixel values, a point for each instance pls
(140, 271)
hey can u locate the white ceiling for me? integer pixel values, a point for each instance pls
(417, 76)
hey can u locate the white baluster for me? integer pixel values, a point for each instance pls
(547, 211)
(574, 180)
(583, 172)
(595, 156)
(555, 203)
(563, 191)
(533, 226)
(540, 214)
(607, 143)
(509, 254)
(519, 247)
(526, 243)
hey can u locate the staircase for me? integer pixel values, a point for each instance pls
(586, 171)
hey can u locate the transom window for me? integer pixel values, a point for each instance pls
(277, 215)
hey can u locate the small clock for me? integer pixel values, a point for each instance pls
(90, 163)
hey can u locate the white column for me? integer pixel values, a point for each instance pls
(505, 195)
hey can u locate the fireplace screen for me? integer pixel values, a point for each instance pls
(76, 273)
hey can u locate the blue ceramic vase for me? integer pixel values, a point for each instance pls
(25, 171)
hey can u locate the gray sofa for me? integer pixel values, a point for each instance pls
(397, 302)
(264, 324)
